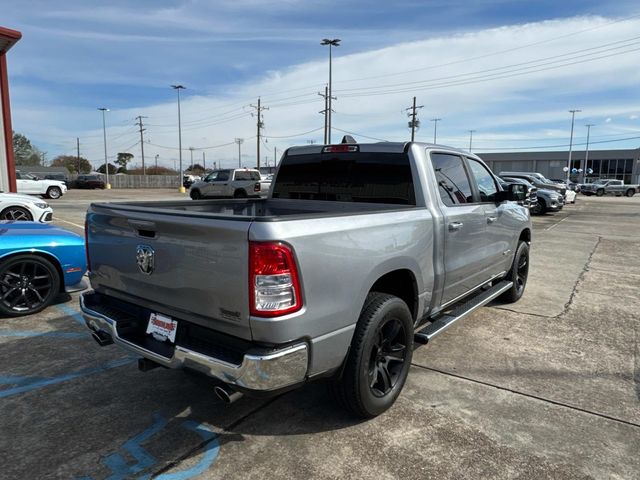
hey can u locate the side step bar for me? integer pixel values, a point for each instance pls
(461, 311)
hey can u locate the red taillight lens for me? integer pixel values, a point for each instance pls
(256, 187)
(340, 148)
(274, 287)
(86, 244)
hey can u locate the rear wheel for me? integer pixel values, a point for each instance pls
(240, 194)
(599, 192)
(518, 274)
(28, 284)
(379, 358)
(54, 192)
(16, 213)
(630, 193)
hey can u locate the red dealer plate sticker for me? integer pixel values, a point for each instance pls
(162, 327)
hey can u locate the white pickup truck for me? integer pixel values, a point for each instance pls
(33, 185)
(235, 183)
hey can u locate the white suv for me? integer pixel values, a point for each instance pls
(32, 185)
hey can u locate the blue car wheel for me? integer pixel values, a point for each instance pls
(28, 284)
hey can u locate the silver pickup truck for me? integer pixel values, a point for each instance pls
(359, 250)
(609, 187)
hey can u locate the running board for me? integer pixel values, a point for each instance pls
(461, 311)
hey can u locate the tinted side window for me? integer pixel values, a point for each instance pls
(484, 181)
(453, 183)
(222, 176)
(240, 175)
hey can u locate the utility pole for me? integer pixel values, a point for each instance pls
(104, 136)
(157, 161)
(414, 122)
(191, 151)
(239, 142)
(435, 128)
(471, 139)
(275, 158)
(326, 109)
(78, 156)
(586, 152)
(140, 117)
(259, 127)
(177, 88)
(204, 162)
(335, 42)
(573, 116)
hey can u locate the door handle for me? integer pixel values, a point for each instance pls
(491, 219)
(454, 226)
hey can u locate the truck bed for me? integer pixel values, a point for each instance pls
(259, 210)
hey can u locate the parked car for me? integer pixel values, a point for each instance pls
(609, 187)
(32, 185)
(37, 263)
(356, 247)
(89, 181)
(538, 180)
(532, 201)
(570, 186)
(14, 206)
(546, 200)
(61, 177)
(236, 183)
(188, 180)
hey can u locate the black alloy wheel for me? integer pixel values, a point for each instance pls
(387, 357)
(28, 284)
(54, 192)
(16, 213)
(195, 194)
(518, 274)
(379, 358)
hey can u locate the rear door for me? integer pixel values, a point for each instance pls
(466, 255)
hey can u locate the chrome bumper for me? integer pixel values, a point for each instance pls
(261, 372)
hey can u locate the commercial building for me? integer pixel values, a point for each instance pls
(7, 169)
(619, 164)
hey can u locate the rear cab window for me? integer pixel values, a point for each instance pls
(371, 177)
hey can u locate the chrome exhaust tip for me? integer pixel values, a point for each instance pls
(226, 394)
(102, 338)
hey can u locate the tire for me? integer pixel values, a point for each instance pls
(518, 274)
(16, 213)
(54, 192)
(195, 194)
(240, 194)
(536, 210)
(379, 359)
(543, 207)
(630, 192)
(28, 284)
(599, 192)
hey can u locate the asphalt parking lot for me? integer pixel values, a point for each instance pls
(548, 387)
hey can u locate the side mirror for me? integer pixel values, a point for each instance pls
(516, 192)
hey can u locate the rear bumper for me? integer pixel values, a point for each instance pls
(260, 369)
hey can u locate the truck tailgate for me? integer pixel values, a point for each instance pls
(199, 270)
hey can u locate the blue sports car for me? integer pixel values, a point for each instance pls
(38, 262)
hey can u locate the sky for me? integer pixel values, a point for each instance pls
(508, 70)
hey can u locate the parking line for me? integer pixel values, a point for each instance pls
(42, 334)
(70, 223)
(73, 313)
(39, 382)
(557, 223)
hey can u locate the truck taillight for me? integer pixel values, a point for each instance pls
(256, 187)
(274, 286)
(86, 244)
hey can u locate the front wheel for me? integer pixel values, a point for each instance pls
(239, 194)
(599, 192)
(630, 193)
(54, 192)
(16, 213)
(379, 359)
(518, 274)
(28, 284)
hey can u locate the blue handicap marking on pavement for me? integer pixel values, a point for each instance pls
(26, 334)
(21, 384)
(121, 470)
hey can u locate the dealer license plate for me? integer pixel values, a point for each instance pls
(162, 327)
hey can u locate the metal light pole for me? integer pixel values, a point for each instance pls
(191, 150)
(157, 161)
(586, 152)
(332, 43)
(178, 88)
(435, 128)
(573, 116)
(239, 142)
(470, 139)
(104, 135)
